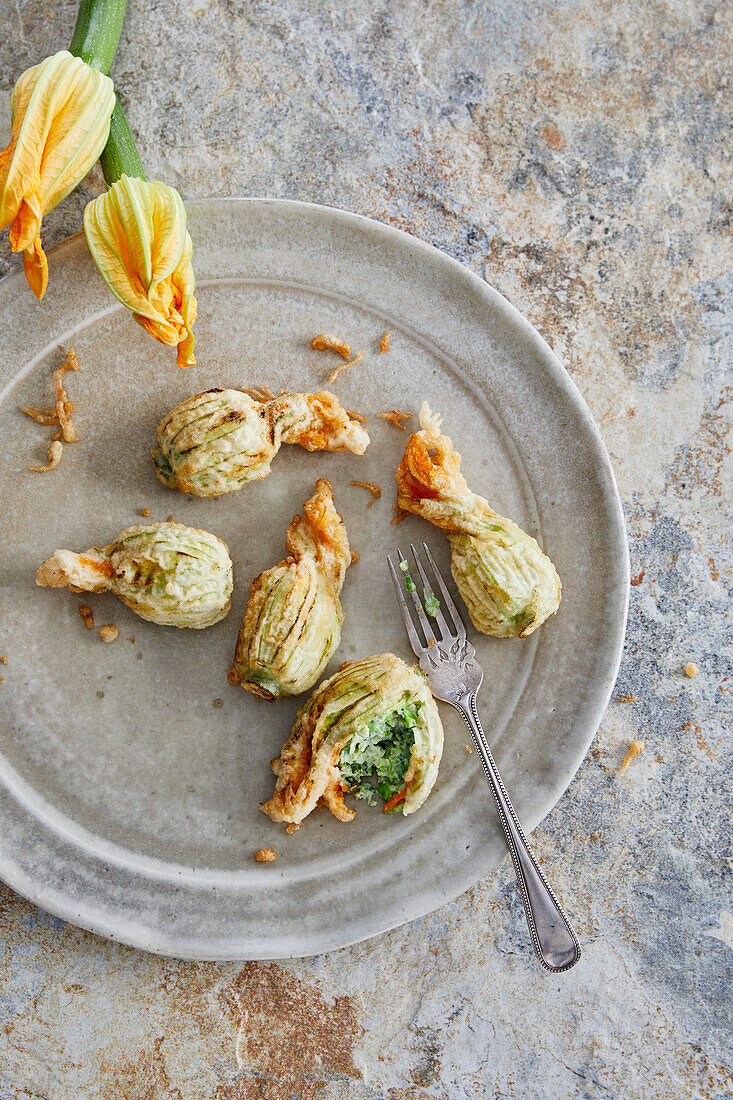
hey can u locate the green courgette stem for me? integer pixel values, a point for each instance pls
(97, 32)
(120, 156)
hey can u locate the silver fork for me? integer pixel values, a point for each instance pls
(449, 661)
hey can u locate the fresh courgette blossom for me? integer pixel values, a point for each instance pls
(508, 585)
(137, 234)
(61, 110)
(167, 573)
(217, 441)
(376, 714)
(292, 624)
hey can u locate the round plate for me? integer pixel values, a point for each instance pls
(131, 773)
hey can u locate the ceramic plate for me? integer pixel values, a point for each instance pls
(131, 773)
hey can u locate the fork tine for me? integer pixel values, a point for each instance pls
(419, 610)
(460, 629)
(446, 633)
(415, 642)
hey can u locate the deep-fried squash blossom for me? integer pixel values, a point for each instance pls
(217, 441)
(508, 585)
(375, 716)
(292, 624)
(166, 572)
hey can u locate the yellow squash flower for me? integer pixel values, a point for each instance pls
(137, 236)
(61, 111)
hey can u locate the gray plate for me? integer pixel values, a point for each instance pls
(128, 799)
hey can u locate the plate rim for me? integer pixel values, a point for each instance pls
(426, 900)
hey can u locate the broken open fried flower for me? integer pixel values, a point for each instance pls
(508, 585)
(61, 112)
(217, 441)
(167, 573)
(375, 717)
(292, 624)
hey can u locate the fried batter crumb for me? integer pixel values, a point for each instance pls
(394, 416)
(431, 643)
(633, 751)
(234, 676)
(145, 512)
(261, 394)
(356, 416)
(371, 487)
(384, 342)
(265, 855)
(172, 519)
(691, 670)
(399, 515)
(626, 699)
(344, 366)
(132, 641)
(54, 457)
(109, 633)
(326, 341)
(292, 829)
(468, 748)
(218, 703)
(3, 660)
(87, 616)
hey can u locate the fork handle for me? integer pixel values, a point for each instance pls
(553, 939)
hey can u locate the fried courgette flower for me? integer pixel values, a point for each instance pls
(217, 441)
(292, 624)
(167, 573)
(375, 716)
(508, 585)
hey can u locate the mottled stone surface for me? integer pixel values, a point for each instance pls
(577, 155)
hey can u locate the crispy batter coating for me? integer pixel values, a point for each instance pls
(292, 623)
(395, 417)
(634, 749)
(307, 768)
(55, 452)
(371, 487)
(384, 342)
(218, 441)
(508, 585)
(345, 366)
(167, 573)
(265, 855)
(326, 341)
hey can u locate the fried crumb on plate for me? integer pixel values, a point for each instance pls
(3, 660)
(384, 342)
(234, 676)
(626, 699)
(145, 512)
(326, 341)
(468, 748)
(109, 633)
(395, 417)
(265, 855)
(87, 616)
(356, 416)
(345, 366)
(293, 828)
(371, 487)
(631, 754)
(172, 519)
(399, 515)
(55, 452)
(691, 670)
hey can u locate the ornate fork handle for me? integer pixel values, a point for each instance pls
(552, 937)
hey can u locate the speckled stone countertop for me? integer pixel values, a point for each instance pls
(577, 156)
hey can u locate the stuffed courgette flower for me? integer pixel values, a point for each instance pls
(375, 716)
(61, 116)
(167, 573)
(217, 441)
(292, 624)
(508, 585)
